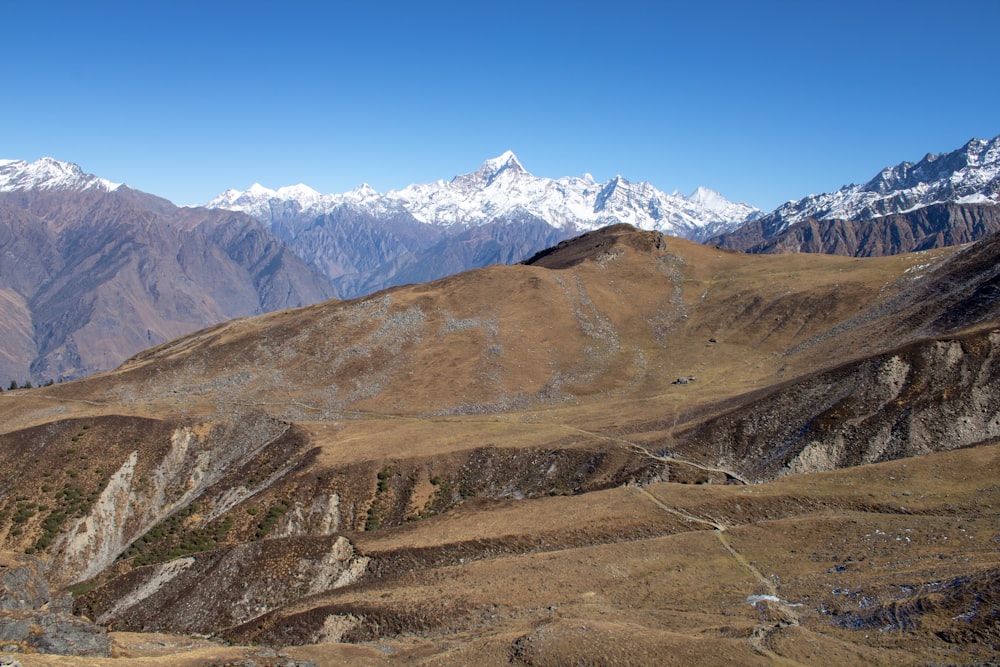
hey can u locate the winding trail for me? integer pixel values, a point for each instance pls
(718, 527)
(758, 642)
(639, 449)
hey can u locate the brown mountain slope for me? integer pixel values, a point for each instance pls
(935, 226)
(90, 278)
(641, 312)
(504, 463)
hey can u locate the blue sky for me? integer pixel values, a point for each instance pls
(762, 101)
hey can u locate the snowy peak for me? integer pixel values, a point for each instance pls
(614, 195)
(502, 190)
(300, 191)
(258, 190)
(363, 192)
(49, 174)
(970, 174)
(237, 200)
(507, 160)
(504, 168)
(707, 198)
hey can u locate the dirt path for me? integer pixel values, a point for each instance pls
(678, 513)
(758, 642)
(656, 457)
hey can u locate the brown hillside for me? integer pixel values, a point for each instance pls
(630, 449)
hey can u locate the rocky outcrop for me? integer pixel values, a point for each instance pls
(131, 503)
(32, 620)
(44, 632)
(928, 396)
(225, 587)
(22, 583)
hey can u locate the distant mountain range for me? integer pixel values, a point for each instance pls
(501, 189)
(944, 199)
(95, 271)
(365, 241)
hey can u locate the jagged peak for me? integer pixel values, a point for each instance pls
(364, 191)
(967, 174)
(492, 169)
(704, 195)
(505, 159)
(615, 182)
(48, 173)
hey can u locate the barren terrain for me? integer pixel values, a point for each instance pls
(630, 450)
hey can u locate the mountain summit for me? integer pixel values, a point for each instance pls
(49, 174)
(507, 163)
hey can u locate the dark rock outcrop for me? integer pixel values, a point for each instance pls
(32, 620)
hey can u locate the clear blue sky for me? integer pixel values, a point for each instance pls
(762, 101)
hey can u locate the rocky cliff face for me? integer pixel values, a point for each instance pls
(925, 397)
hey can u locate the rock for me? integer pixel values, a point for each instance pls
(22, 585)
(31, 619)
(58, 634)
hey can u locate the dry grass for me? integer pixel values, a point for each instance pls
(578, 361)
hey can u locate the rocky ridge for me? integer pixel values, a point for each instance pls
(943, 199)
(968, 175)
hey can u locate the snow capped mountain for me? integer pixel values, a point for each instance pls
(49, 174)
(969, 175)
(503, 190)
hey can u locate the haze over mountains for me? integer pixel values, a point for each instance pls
(95, 271)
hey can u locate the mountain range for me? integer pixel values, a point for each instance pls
(366, 241)
(96, 271)
(944, 199)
